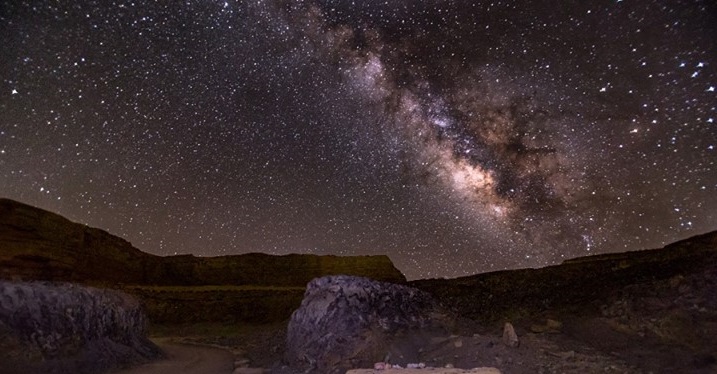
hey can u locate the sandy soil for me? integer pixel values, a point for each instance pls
(187, 359)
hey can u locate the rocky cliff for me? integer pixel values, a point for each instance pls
(66, 328)
(42, 245)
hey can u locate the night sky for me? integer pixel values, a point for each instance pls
(457, 137)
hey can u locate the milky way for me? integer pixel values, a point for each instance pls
(457, 137)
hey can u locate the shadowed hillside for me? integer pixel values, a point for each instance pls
(643, 311)
(40, 245)
(577, 285)
(654, 310)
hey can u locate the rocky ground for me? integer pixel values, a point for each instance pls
(655, 325)
(551, 351)
(652, 311)
(661, 326)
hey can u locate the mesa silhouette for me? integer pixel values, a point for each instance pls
(40, 245)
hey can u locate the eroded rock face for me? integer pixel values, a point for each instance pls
(346, 322)
(69, 328)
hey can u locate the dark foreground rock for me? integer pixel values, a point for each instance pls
(66, 328)
(347, 322)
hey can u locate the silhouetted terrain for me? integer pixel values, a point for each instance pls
(40, 245)
(637, 312)
(654, 309)
(579, 285)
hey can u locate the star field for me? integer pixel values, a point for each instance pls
(457, 137)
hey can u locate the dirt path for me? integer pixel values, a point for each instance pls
(187, 359)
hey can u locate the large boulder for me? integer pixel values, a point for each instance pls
(62, 328)
(347, 322)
